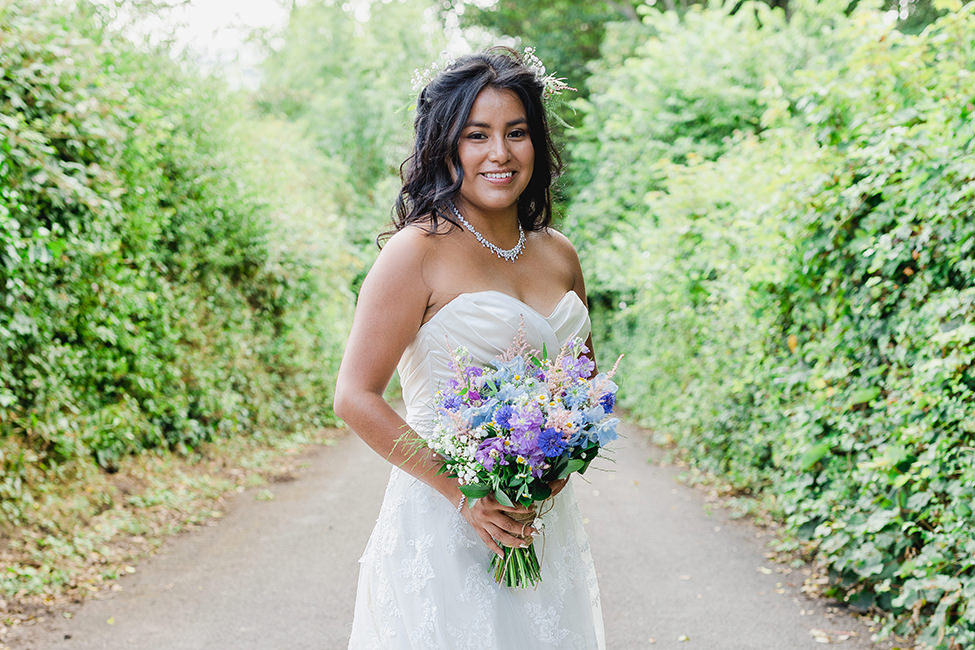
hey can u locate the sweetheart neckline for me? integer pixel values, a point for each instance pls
(510, 297)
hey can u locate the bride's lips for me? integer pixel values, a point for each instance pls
(499, 178)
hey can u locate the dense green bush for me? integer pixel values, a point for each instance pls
(798, 308)
(676, 89)
(153, 294)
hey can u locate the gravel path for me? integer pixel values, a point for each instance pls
(279, 574)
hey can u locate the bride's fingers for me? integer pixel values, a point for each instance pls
(490, 543)
(491, 509)
(500, 526)
(490, 533)
(499, 519)
(506, 538)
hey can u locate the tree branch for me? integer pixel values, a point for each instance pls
(627, 9)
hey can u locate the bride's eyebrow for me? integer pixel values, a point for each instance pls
(482, 125)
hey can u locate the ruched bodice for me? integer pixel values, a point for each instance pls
(424, 578)
(484, 322)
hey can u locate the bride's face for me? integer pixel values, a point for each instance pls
(496, 152)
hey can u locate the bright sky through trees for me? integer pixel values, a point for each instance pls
(217, 33)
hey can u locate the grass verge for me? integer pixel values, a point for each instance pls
(86, 528)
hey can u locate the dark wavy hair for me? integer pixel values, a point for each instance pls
(442, 110)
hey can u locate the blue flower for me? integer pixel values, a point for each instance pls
(475, 416)
(505, 372)
(576, 395)
(503, 416)
(452, 402)
(593, 414)
(608, 401)
(508, 392)
(550, 443)
(605, 431)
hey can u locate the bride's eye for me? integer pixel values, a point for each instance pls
(518, 133)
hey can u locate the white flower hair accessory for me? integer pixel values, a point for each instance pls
(551, 85)
(422, 77)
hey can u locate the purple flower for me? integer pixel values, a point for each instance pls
(608, 400)
(524, 448)
(523, 443)
(473, 371)
(550, 443)
(526, 418)
(580, 367)
(490, 453)
(473, 396)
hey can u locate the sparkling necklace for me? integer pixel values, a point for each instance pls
(510, 254)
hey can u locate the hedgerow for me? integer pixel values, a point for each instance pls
(161, 282)
(796, 293)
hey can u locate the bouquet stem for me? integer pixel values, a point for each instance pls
(518, 568)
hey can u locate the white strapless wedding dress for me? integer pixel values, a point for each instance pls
(424, 578)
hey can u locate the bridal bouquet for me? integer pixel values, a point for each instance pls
(510, 429)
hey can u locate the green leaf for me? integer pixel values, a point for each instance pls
(475, 490)
(814, 454)
(574, 465)
(540, 490)
(864, 395)
(503, 498)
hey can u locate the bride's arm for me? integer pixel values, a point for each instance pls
(392, 302)
(390, 308)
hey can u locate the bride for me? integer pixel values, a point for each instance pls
(472, 260)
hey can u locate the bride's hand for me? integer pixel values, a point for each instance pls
(488, 519)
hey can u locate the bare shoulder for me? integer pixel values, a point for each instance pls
(404, 253)
(560, 243)
(558, 249)
(412, 240)
(561, 257)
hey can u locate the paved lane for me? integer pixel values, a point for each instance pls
(280, 574)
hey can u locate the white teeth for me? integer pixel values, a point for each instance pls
(500, 176)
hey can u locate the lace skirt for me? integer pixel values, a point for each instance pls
(425, 582)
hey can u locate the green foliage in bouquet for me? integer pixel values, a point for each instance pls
(793, 283)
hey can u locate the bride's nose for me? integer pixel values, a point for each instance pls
(499, 150)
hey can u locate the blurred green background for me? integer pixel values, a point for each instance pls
(773, 204)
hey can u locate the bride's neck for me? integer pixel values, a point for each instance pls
(498, 226)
